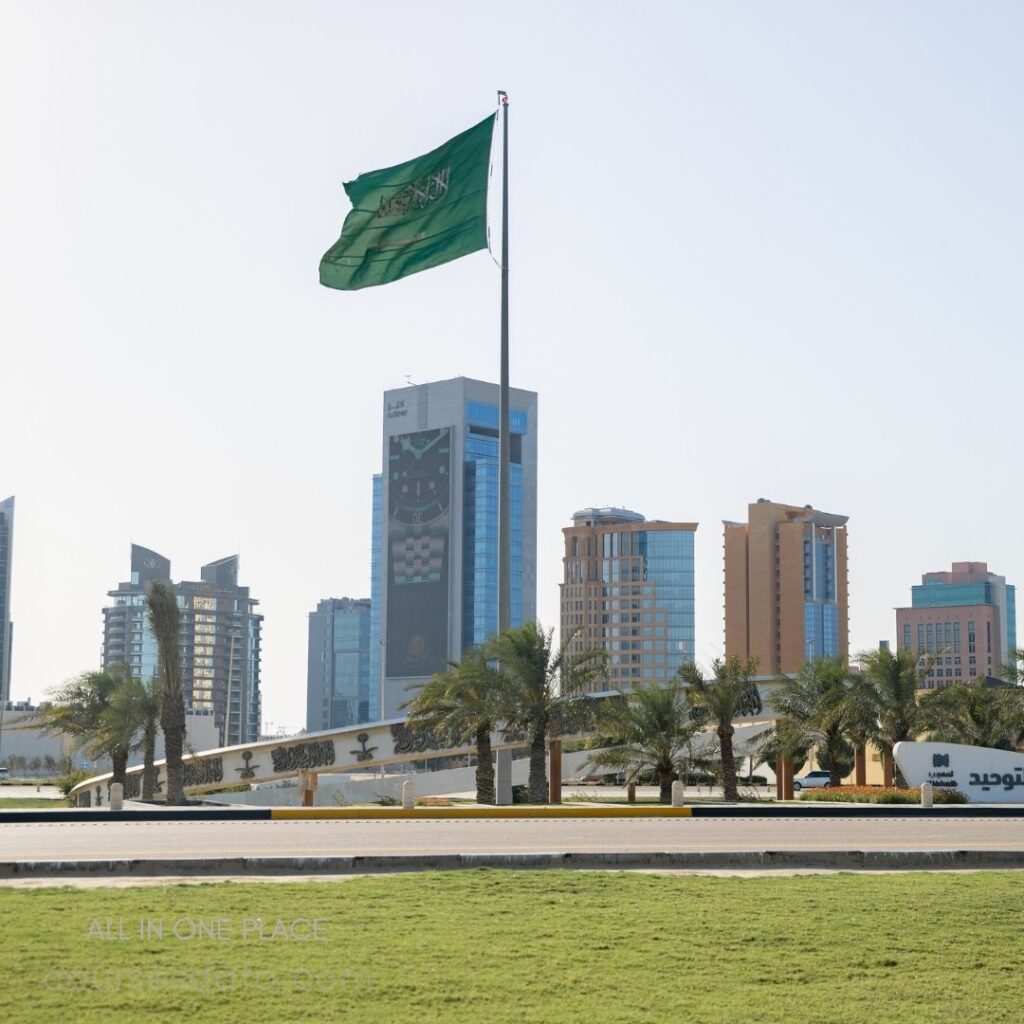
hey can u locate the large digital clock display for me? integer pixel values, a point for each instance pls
(419, 467)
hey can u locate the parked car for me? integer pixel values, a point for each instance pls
(812, 780)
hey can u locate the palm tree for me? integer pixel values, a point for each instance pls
(816, 712)
(976, 714)
(893, 679)
(121, 720)
(94, 708)
(544, 689)
(135, 709)
(1014, 671)
(649, 729)
(778, 743)
(861, 721)
(164, 621)
(463, 704)
(150, 701)
(730, 693)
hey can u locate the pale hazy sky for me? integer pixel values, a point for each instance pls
(758, 249)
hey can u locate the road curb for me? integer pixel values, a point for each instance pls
(786, 810)
(833, 860)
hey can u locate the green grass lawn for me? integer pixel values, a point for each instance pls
(494, 947)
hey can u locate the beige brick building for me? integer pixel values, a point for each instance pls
(786, 586)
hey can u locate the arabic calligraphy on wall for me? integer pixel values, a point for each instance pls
(303, 756)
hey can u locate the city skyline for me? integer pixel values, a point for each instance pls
(159, 567)
(829, 239)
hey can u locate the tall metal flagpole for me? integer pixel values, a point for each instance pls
(504, 524)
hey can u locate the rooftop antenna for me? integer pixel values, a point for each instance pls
(408, 380)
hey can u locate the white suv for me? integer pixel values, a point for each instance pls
(812, 780)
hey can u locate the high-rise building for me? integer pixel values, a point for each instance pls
(338, 674)
(6, 626)
(786, 586)
(966, 620)
(628, 587)
(221, 635)
(436, 527)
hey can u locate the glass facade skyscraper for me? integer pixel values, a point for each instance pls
(435, 530)
(628, 587)
(338, 678)
(221, 637)
(6, 626)
(821, 607)
(480, 522)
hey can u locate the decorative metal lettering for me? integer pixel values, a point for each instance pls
(364, 753)
(419, 741)
(204, 772)
(750, 705)
(248, 771)
(303, 756)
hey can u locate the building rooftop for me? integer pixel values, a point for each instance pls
(608, 515)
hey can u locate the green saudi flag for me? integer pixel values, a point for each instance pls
(415, 216)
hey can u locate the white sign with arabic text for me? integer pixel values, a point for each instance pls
(984, 775)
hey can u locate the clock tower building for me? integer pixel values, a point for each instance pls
(434, 586)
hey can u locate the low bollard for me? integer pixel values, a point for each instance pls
(116, 796)
(408, 796)
(926, 794)
(677, 794)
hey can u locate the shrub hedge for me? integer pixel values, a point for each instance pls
(880, 795)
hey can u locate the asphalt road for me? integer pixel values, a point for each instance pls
(175, 839)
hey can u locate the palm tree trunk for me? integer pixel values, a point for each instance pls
(148, 756)
(120, 768)
(174, 737)
(484, 767)
(728, 764)
(538, 768)
(887, 763)
(860, 766)
(665, 781)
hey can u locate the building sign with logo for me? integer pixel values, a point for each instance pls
(984, 775)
